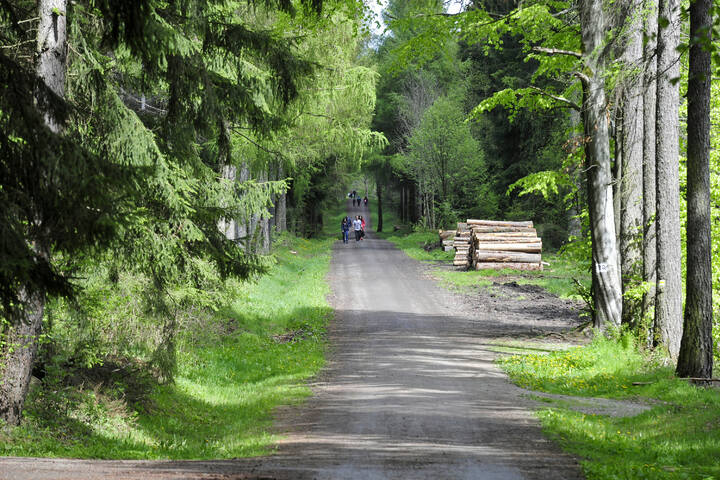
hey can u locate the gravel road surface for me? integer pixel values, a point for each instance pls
(410, 392)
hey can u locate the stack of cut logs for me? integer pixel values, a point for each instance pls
(447, 239)
(462, 244)
(494, 244)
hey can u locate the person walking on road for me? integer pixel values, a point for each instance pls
(357, 227)
(365, 200)
(345, 228)
(362, 225)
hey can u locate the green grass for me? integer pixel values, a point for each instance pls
(558, 278)
(679, 438)
(412, 242)
(231, 375)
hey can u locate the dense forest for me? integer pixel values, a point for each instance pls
(152, 153)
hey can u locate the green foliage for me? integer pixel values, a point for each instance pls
(235, 366)
(675, 439)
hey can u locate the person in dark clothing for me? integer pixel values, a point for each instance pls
(365, 201)
(345, 228)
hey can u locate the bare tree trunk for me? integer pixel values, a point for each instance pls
(281, 206)
(606, 278)
(631, 185)
(696, 348)
(227, 225)
(378, 188)
(617, 133)
(649, 188)
(668, 308)
(20, 349)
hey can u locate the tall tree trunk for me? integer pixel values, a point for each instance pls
(668, 308)
(648, 169)
(281, 206)
(378, 188)
(21, 339)
(696, 348)
(617, 172)
(606, 278)
(228, 225)
(631, 185)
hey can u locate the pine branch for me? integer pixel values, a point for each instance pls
(274, 153)
(557, 98)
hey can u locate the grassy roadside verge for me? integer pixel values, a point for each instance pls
(678, 438)
(247, 359)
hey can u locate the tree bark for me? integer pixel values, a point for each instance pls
(281, 206)
(631, 186)
(378, 188)
(21, 337)
(696, 348)
(649, 188)
(668, 308)
(606, 278)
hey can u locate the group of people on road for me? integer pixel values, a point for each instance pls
(357, 225)
(357, 200)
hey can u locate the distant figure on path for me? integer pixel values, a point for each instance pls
(345, 228)
(357, 226)
(365, 200)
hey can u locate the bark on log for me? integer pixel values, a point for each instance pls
(510, 247)
(509, 265)
(489, 229)
(517, 257)
(504, 239)
(530, 233)
(500, 223)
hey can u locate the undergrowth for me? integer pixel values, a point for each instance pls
(678, 438)
(234, 367)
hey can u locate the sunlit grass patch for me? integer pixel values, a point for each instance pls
(678, 438)
(233, 370)
(413, 245)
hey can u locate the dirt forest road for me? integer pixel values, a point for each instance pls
(410, 392)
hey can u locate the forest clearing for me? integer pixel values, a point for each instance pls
(176, 300)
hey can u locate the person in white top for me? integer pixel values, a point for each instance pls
(357, 226)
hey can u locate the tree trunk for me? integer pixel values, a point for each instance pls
(668, 308)
(378, 188)
(21, 345)
(631, 185)
(696, 348)
(618, 165)
(281, 206)
(19, 353)
(649, 188)
(606, 278)
(228, 225)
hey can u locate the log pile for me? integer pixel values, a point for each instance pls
(446, 239)
(499, 244)
(462, 244)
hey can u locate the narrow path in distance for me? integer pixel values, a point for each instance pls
(410, 392)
